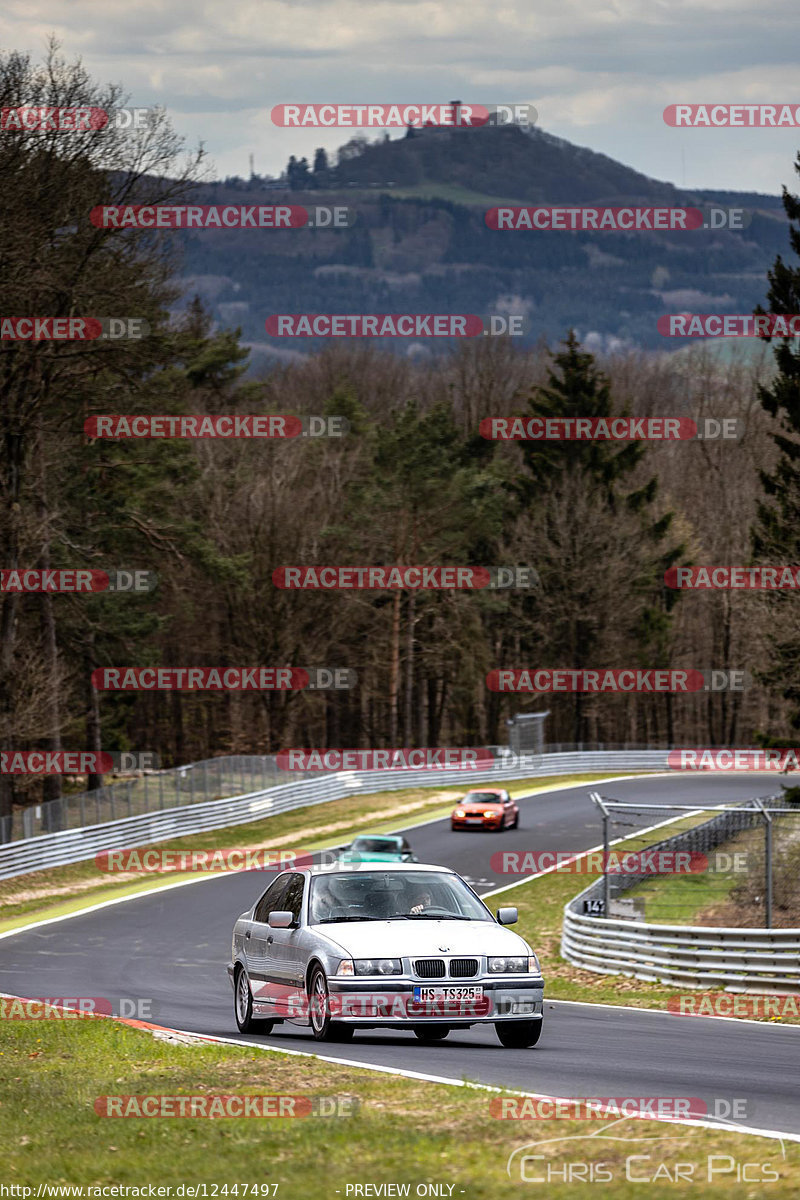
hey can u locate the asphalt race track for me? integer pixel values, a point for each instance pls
(172, 947)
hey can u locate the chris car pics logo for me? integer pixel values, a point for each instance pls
(580, 1158)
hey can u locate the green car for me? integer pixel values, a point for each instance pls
(374, 847)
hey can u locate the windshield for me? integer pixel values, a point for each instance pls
(389, 895)
(482, 798)
(375, 845)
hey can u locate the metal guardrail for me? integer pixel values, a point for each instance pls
(766, 960)
(693, 956)
(210, 779)
(77, 845)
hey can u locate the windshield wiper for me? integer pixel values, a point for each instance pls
(341, 920)
(439, 917)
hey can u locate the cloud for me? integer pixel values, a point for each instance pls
(599, 73)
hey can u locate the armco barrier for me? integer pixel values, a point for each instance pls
(690, 956)
(762, 960)
(77, 845)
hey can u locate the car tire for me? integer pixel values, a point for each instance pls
(243, 1006)
(516, 822)
(431, 1033)
(516, 1035)
(319, 1011)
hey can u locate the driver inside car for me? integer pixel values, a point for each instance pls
(422, 901)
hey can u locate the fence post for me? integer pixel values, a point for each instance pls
(767, 864)
(768, 868)
(595, 796)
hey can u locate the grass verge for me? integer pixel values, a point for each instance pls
(404, 1131)
(57, 891)
(541, 908)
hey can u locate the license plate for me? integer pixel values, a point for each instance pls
(474, 820)
(449, 992)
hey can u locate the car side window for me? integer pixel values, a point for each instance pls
(272, 900)
(293, 898)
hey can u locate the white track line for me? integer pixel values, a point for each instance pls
(425, 1076)
(165, 887)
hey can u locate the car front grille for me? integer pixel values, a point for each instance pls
(463, 968)
(429, 968)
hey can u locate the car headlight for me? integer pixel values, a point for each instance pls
(505, 966)
(459, 813)
(490, 813)
(378, 966)
(345, 967)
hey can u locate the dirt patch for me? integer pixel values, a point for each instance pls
(295, 838)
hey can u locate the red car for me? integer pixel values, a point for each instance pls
(486, 808)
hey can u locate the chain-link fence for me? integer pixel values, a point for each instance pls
(151, 791)
(211, 779)
(732, 867)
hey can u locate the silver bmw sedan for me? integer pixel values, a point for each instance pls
(400, 946)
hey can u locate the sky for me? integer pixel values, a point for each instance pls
(599, 73)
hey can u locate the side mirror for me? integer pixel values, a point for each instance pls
(506, 916)
(283, 919)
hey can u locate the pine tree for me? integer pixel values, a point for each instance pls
(602, 545)
(776, 533)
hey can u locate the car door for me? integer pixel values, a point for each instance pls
(285, 957)
(256, 945)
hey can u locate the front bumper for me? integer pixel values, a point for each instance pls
(391, 1002)
(473, 823)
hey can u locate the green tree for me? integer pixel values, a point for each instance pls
(598, 537)
(776, 533)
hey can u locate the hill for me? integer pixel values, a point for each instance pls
(420, 243)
